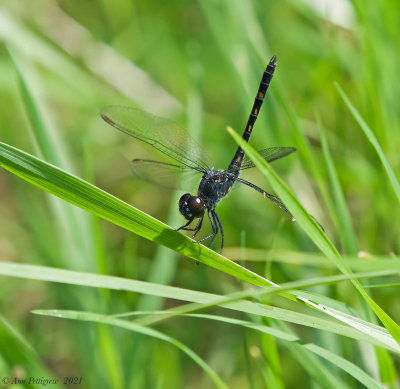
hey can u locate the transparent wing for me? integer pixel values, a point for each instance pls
(270, 154)
(162, 134)
(164, 174)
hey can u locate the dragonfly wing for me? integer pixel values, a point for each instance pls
(162, 134)
(164, 174)
(270, 154)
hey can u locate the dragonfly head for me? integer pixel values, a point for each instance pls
(191, 206)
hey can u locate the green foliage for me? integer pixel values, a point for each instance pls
(144, 316)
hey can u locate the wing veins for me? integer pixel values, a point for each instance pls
(164, 135)
(269, 154)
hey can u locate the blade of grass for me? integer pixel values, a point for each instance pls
(270, 362)
(387, 368)
(314, 259)
(109, 320)
(289, 290)
(43, 129)
(312, 229)
(72, 222)
(375, 335)
(374, 142)
(324, 304)
(17, 352)
(303, 145)
(345, 226)
(106, 206)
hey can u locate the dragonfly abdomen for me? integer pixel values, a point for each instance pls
(262, 90)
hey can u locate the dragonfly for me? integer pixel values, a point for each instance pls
(173, 141)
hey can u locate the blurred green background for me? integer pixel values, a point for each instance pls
(198, 63)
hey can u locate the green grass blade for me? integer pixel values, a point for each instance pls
(365, 332)
(304, 148)
(312, 229)
(345, 365)
(315, 259)
(73, 223)
(271, 362)
(109, 320)
(345, 226)
(387, 368)
(371, 137)
(17, 351)
(106, 206)
(48, 141)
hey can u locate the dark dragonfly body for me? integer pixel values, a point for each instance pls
(174, 142)
(262, 90)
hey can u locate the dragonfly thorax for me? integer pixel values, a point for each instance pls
(214, 185)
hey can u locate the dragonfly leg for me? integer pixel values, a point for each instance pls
(220, 228)
(184, 227)
(265, 194)
(198, 226)
(215, 231)
(214, 227)
(275, 199)
(195, 229)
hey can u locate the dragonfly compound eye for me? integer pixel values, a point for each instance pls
(191, 206)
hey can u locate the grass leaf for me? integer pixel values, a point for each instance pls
(365, 332)
(371, 137)
(345, 226)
